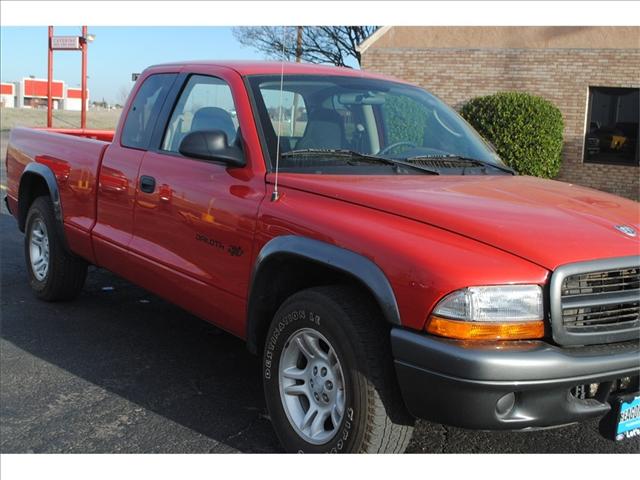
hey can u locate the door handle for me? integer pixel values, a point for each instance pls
(147, 184)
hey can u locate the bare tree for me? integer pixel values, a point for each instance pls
(123, 94)
(334, 45)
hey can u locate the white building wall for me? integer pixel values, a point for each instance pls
(19, 95)
(7, 101)
(73, 104)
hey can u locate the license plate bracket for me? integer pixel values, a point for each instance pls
(623, 421)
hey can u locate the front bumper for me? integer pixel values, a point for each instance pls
(506, 386)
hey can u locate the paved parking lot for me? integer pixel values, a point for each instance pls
(120, 370)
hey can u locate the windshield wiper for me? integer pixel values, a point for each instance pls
(464, 159)
(352, 154)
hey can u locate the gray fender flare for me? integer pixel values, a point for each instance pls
(334, 257)
(45, 173)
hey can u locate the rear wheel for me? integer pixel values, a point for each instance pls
(54, 273)
(328, 376)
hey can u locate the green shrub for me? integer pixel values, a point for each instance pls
(526, 130)
(405, 119)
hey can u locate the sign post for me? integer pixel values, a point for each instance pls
(49, 80)
(83, 112)
(68, 42)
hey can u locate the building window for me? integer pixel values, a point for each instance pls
(612, 126)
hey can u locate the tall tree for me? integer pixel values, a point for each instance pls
(334, 45)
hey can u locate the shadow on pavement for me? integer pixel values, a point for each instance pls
(133, 344)
(120, 370)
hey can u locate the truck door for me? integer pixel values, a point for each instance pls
(119, 172)
(195, 219)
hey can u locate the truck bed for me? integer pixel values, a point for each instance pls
(74, 158)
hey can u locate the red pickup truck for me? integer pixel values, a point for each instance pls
(361, 237)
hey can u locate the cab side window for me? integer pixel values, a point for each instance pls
(205, 104)
(144, 110)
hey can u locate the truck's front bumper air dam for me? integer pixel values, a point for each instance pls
(507, 385)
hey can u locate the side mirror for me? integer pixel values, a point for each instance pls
(212, 145)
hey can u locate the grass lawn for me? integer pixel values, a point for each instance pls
(27, 117)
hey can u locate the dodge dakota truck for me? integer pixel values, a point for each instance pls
(362, 238)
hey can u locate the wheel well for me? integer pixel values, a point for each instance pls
(32, 186)
(279, 278)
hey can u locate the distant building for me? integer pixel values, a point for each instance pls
(73, 99)
(7, 95)
(592, 74)
(32, 93)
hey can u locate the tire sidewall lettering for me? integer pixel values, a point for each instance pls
(273, 348)
(273, 339)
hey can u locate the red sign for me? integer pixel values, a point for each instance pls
(65, 42)
(6, 89)
(38, 88)
(75, 93)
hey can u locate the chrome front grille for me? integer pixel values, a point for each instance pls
(596, 302)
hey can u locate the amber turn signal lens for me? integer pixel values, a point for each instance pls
(485, 330)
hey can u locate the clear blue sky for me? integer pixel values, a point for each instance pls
(115, 54)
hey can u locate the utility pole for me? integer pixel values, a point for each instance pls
(294, 113)
(299, 46)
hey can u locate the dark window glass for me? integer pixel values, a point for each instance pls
(612, 126)
(145, 109)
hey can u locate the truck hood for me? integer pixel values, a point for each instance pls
(546, 222)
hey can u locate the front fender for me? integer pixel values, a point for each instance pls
(331, 256)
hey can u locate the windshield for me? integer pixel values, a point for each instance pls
(337, 124)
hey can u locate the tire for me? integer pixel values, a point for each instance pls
(54, 273)
(337, 327)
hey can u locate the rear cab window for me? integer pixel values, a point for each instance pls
(145, 109)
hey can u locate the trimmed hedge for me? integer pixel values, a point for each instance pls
(526, 130)
(406, 120)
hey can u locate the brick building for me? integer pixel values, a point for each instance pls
(592, 74)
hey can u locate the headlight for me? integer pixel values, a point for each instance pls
(496, 312)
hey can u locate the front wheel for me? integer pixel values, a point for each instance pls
(328, 376)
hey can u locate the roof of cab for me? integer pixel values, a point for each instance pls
(246, 68)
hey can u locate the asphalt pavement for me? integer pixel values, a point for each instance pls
(121, 370)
